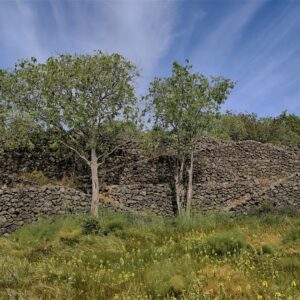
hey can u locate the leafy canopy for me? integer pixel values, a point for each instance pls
(80, 96)
(184, 104)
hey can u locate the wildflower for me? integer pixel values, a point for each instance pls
(265, 284)
(122, 261)
(259, 297)
(293, 283)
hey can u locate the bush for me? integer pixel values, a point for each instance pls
(69, 237)
(269, 248)
(226, 243)
(115, 225)
(266, 207)
(293, 235)
(169, 278)
(91, 226)
(37, 177)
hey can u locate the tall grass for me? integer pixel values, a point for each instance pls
(126, 256)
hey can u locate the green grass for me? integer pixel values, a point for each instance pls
(123, 256)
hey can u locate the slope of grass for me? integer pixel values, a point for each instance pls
(122, 256)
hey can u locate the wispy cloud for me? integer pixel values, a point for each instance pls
(253, 41)
(220, 43)
(18, 30)
(270, 69)
(140, 30)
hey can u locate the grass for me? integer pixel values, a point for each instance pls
(122, 256)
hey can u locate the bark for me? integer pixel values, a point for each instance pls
(179, 186)
(190, 186)
(95, 184)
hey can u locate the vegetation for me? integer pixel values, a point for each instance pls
(120, 256)
(86, 104)
(281, 130)
(80, 97)
(184, 105)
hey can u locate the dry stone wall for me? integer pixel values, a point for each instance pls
(235, 177)
(20, 206)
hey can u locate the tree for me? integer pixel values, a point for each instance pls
(15, 130)
(229, 126)
(183, 106)
(80, 97)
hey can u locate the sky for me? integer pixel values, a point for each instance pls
(254, 42)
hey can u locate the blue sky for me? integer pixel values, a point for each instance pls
(256, 42)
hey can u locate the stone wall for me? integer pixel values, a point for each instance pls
(235, 177)
(20, 206)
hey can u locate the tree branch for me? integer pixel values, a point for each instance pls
(77, 152)
(104, 156)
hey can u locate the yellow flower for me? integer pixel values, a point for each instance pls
(122, 261)
(259, 297)
(293, 283)
(265, 283)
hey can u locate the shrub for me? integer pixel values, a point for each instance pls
(169, 278)
(115, 225)
(269, 248)
(226, 243)
(91, 226)
(69, 237)
(293, 235)
(37, 177)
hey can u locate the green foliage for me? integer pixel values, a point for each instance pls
(88, 100)
(156, 259)
(289, 264)
(283, 129)
(269, 248)
(205, 222)
(37, 177)
(91, 225)
(226, 243)
(46, 230)
(183, 107)
(292, 235)
(184, 104)
(69, 236)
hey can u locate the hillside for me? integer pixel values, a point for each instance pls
(229, 176)
(123, 256)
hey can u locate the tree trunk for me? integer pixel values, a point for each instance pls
(179, 187)
(95, 184)
(190, 186)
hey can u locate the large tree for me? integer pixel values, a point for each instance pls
(183, 106)
(80, 97)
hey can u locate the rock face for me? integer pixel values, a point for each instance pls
(235, 177)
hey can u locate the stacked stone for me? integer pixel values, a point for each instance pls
(20, 206)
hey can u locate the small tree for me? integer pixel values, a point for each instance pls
(15, 130)
(183, 106)
(80, 97)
